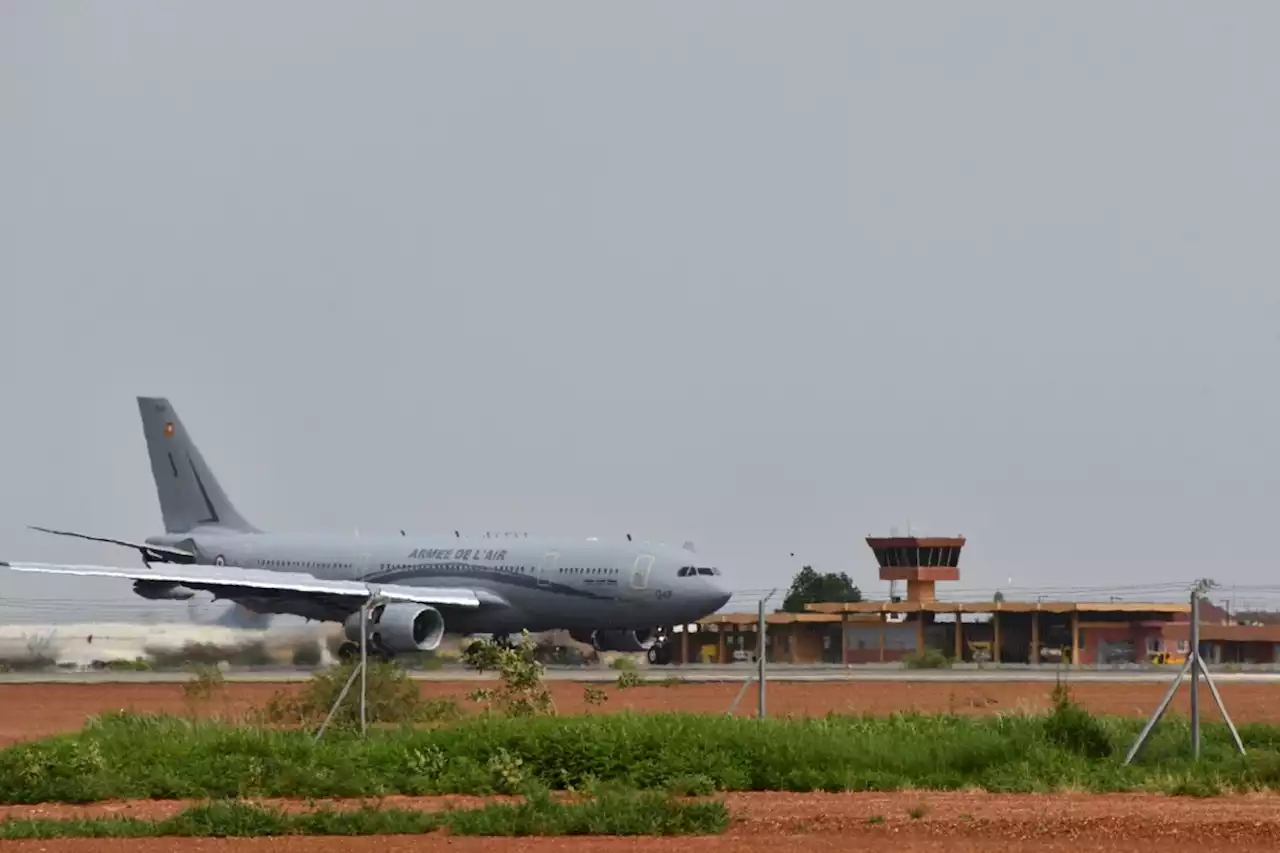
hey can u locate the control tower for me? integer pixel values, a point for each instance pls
(920, 561)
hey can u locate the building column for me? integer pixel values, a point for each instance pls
(884, 622)
(959, 637)
(920, 632)
(1035, 636)
(684, 644)
(995, 624)
(1075, 639)
(844, 639)
(720, 652)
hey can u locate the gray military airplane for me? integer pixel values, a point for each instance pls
(609, 594)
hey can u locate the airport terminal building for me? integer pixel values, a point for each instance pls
(921, 625)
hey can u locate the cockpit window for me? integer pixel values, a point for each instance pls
(690, 571)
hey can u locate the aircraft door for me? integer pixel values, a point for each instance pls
(640, 571)
(546, 568)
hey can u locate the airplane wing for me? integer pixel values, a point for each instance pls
(231, 583)
(150, 553)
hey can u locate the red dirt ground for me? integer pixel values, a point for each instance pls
(35, 710)
(906, 842)
(908, 821)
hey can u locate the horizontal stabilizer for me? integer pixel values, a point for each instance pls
(227, 578)
(150, 553)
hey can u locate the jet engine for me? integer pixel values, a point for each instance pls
(617, 640)
(399, 627)
(162, 591)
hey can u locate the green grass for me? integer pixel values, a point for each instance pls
(610, 813)
(139, 756)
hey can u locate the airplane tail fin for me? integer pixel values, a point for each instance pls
(190, 495)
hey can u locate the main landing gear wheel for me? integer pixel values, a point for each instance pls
(349, 652)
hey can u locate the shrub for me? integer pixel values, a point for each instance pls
(927, 659)
(629, 678)
(1073, 728)
(521, 692)
(207, 680)
(123, 665)
(483, 655)
(390, 697)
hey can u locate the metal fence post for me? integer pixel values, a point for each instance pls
(761, 655)
(758, 670)
(360, 670)
(364, 664)
(1195, 667)
(1195, 674)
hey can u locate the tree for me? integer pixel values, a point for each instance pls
(809, 587)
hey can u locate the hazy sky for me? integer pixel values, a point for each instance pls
(767, 276)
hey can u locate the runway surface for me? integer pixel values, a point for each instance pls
(691, 674)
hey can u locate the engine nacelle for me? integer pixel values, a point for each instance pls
(619, 640)
(400, 627)
(162, 591)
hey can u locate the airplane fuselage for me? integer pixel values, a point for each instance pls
(536, 584)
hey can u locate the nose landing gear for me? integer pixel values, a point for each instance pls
(659, 654)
